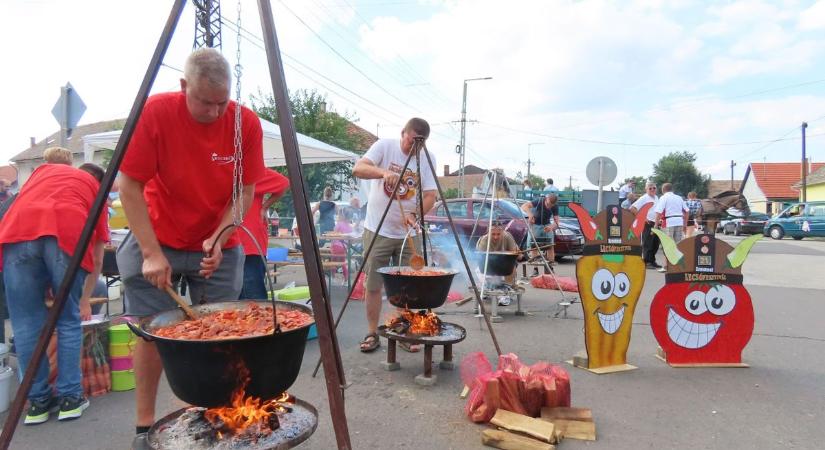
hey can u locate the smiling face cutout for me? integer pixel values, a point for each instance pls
(703, 314)
(611, 274)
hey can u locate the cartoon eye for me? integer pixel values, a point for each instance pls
(602, 284)
(402, 190)
(410, 182)
(622, 286)
(720, 300)
(695, 303)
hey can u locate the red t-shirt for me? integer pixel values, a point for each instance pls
(55, 201)
(187, 167)
(273, 183)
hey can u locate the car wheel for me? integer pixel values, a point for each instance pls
(737, 231)
(798, 238)
(558, 258)
(776, 232)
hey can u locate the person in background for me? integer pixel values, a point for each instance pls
(384, 161)
(527, 187)
(326, 212)
(550, 187)
(57, 155)
(650, 242)
(625, 190)
(500, 241)
(272, 185)
(694, 207)
(5, 190)
(543, 215)
(671, 213)
(38, 234)
(176, 187)
(628, 202)
(354, 210)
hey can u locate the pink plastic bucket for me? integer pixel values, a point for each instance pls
(121, 363)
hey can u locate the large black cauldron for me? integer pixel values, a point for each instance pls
(204, 373)
(417, 291)
(499, 263)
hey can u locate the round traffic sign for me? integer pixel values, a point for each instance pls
(601, 171)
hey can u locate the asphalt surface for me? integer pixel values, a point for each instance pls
(779, 402)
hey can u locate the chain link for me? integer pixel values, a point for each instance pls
(237, 171)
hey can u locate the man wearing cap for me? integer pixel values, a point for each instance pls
(650, 242)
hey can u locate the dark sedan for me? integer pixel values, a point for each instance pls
(751, 224)
(467, 212)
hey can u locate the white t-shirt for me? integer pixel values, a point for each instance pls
(672, 208)
(387, 154)
(624, 190)
(644, 200)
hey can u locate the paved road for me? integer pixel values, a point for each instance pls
(776, 403)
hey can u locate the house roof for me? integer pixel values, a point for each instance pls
(815, 177)
(8, 173)
(776, 180)
(470, 169)
(366, 138)
(470, 181)
(74, 143)
(716, 187)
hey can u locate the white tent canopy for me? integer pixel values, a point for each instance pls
(312, 150)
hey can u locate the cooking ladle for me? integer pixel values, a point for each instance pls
(416, 260)
(181, 302)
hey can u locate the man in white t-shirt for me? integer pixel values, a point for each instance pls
(671, 213)
(625, 189)
(650, 242)
(383, 163)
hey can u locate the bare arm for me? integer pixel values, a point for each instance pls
(367, 170)
(156, 268)
(527, 208)
(91, 281)
(271, 200)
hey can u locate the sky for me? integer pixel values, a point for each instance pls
(571, 80)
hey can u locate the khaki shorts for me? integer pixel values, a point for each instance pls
(383, 250)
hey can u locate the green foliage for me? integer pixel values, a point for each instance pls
(679, 169)
(312, 118)
(640, 184)
(452, 193)
(536, 181)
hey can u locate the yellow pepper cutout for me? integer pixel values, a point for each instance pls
(610, 274)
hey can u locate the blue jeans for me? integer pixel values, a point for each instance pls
(254, 276)
(29, 268)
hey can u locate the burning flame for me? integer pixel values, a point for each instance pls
(421, 322)
(248, 412)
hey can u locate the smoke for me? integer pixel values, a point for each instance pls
(443, 252)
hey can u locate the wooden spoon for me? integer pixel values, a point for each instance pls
(416, 260)
(181, 302)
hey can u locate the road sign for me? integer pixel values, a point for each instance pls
(601, 171)
(69, 108)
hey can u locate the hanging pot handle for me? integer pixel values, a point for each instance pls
(138, 331)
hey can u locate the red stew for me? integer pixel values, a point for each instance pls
(252, 320)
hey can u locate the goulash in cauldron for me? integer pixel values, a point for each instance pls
(252, 320)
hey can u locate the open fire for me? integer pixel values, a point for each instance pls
(422, 323)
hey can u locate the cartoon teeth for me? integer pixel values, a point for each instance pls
(689, 334)
(611, 322)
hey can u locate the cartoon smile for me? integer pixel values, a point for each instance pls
(611, 322)
(689, 334)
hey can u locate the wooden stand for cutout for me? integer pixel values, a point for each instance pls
(580, 360)
(511, 441)
(660, 354)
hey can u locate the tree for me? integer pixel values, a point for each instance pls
(536, 181)
(309, 109)
(679, 169)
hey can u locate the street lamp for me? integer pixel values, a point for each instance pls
(529, 162)
(463, 127)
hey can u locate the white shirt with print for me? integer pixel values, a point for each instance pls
(387, 154)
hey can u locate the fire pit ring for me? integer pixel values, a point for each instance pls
(448, 335)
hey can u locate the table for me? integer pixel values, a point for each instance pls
(349, 240)
(328, 266)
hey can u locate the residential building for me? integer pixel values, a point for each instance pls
(770, 186)
(816, 186)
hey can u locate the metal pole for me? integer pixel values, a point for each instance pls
(328, 342)
(86, 234)
(493, 302)
(64, 124)
(601, 186)
(732, 165)
(462, 142)
(804, 165)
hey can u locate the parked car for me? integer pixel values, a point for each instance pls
(753, 223)
(798, 221)
(465, 211)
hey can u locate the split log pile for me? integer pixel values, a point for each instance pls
(518, 431)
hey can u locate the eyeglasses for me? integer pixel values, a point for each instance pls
(653, 188)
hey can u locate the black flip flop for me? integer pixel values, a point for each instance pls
(371, 341)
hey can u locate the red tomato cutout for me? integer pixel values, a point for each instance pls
(702, 323)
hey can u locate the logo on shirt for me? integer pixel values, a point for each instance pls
(216, 158)
(406, 190)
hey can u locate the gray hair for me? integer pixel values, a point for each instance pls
(207, 64)
(650, 184)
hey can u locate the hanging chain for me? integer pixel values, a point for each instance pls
(237, 170)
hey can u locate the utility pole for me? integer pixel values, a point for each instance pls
(529, 161)
(732, 165)
(462, 146)
(804, 166)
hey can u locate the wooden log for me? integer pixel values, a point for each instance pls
(511, 441)
(565, 413)
(575, 429)
(465, 392)
(537, 428)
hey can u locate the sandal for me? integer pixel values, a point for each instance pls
(407, 347)
(370, 343)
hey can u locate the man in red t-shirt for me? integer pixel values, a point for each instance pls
(176, 190)
(39, 234)
(254, 268)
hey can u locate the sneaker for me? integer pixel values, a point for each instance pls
(39, 412)
(535, 271)
(661, 269)
(652, 266)
(72, 407)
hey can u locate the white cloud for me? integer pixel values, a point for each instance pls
(813, 18)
